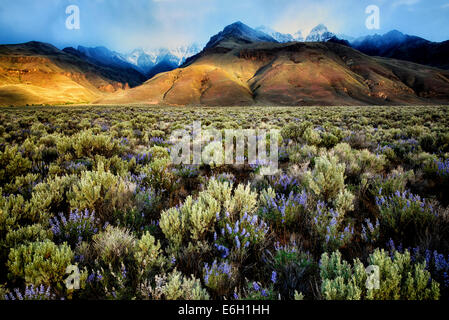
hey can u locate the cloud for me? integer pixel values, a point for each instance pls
(126, 25)
(399, 3)
(306, 16)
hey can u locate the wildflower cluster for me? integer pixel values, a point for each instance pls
(283, 211)
(442, 167)
(219, 277)
(31, 293)
(255, 291)
(187, 171)
(246, 233)
(370, 231)
(328, 224)
(404, 209)
(80, 226)
(284, 184)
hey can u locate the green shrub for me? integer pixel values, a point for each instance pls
(27, 234)
(397, 180)
(327, 183)
(175, 286)
(51, 196)
(359, 162)
(12, 164)
(86, 144)
(40, 263)
(405, 215)
(192, 221)
(114, 246)
(400, 278)
(158, 176)
(102, 192)
(292, 268)
(147, 254)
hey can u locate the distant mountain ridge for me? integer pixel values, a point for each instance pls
(320, 33)
(104, 57)
(279, 37)
(393, 44)
(152, 62)
(397, 45)
(244, 66)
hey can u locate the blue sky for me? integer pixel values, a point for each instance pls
(123, 25)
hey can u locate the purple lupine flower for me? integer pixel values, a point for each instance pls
(273, 277)
(237, 242)
(256, 286)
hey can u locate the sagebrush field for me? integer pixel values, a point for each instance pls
(94, 187)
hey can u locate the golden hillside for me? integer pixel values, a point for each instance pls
(38, 73)
(290, 74)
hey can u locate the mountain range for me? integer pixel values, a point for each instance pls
(152, 62)
(242, 67)
(318, 34)
(397, 45)
(238, 66)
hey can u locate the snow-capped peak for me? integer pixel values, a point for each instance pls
(147, 59)
(320, 34)
(298, 36)
(239, 31)
(280, 37)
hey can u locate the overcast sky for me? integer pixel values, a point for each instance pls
(123, 25)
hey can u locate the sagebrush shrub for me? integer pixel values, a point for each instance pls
(326, 180)
(359, 162)
(102, 192)
(147, 255)
(175, 286)
(400, 278)
(12, 164)
(27, 234)
(87, 144)
(40, 263)
(113, 246)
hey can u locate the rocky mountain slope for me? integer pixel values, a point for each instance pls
(39, 73)
(238, 68)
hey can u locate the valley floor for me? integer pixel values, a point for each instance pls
(94, 188)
